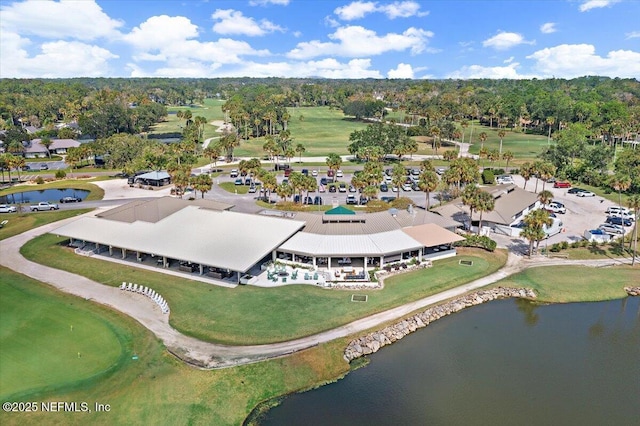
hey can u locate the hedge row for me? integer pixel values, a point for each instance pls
(479, 241)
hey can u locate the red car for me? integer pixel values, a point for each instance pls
(560, 184)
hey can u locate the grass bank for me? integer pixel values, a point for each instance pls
(22, 222)
(253, 315)
(563, 284)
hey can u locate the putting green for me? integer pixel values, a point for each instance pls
(48, 341)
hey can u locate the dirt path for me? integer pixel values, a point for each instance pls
(210, 355)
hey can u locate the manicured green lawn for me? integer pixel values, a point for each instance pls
(154, 389)
(562, 284)
(233, 188)
(525, 147)
(252, 315)
(48, 343)
(21, 222)
(211, 110)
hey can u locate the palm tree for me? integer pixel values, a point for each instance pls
(284, 190)
(297, 182)
(426, 164)
(538, 167)
(398, 174)
(485, 203)
(300, 149)
(550, 122)
(483, 138)
(269, 183)
(435, 132)
(470, 199)
(46, 142)
(546, 172)
(270, 147)
(202, 183)
(620, 182)
(545, 197)
(212, 152)
(289, 153)
(334, 161)
(634, 203)
(507, 156)
(501, 135)
(534, 224)
(428, 182)
(526, 171)
(464, 124)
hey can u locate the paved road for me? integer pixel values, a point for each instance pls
(213, 355)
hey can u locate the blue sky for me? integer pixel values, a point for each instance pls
(320, 38)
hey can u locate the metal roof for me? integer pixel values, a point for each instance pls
(431, 235)
(157, 209)
(155, 175)
(222, 239)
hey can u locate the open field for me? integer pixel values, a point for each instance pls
(49, 343)
(525, 147)
(21, 222)
(211, 110)
(252, 315)
(154, 389)
(563, 284)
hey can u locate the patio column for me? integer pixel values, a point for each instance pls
(314, 262)
(70, 241)
(273, 256)
(124, 253)
(329, 262)
(381, 259)
(110, 250)
(420, 254)
(164, 261)
(238, 277)
(365, 265)
(293, 257)
(138, 256)
(98, 246)
(201, 269)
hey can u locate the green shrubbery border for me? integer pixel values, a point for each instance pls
(479, 241)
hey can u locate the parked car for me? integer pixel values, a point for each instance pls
(234, 173)
(624, 215)
(238, 181)
(576, 190)
(296, 198)
(613, 220)
(384, 187)
(317, 201)
(43, 205)
(247, 181)
(44, 166)
(415, 186)
(394, 188)
(504, 180)
(351, 199)
(556, 207)
(585, 194)
(415, 172)
(352, 188)
(324, 181)
(287, 172)
(308, 200)
(314, 173)
(440, 170)
(617, 210)
(332, 188)
(330, 173)
(25, 168)
(343, 187)
(305, 172)
(70, 199)
(339, 173)
(252, 189)
(4, 208)
(406, 187)
(363, 200)
(322, 188)
(562, 184)
(611, 228)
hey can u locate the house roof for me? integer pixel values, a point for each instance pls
(36, 147)
(222, 239)
(431, 235)
(510, 201)
(157, 209)
(155, 175)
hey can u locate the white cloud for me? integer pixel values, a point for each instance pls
(81, 20)
(159, 31)
(171, 43)
(596, 4)
(356, 41)
(267, 2)
(401, 71)
(548, 28)
(231, 21)
(508, 60)
(57, 59)
(504, 40)
(575, 60)
(355, 10)
(398, 9)
(479, 71)
(633, 34)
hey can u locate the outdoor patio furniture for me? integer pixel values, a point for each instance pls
(294, 274)
(284, 279)
(306, 276)
(315, 276)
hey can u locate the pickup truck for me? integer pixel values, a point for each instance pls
(43, 205)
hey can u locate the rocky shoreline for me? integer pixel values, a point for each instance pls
(632, 291)
(372, 342)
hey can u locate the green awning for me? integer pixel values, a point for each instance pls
(339, 210)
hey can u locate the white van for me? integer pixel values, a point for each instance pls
(617, 210)
(555, 228)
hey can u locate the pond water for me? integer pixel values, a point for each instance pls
(502, 363)
(53, 195)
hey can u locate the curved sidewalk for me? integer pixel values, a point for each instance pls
(211, 355)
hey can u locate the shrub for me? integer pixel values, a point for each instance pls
(564, 245)
(555, 248)
(61, 174)
(39, 180)
(480, 241)
(488, 177)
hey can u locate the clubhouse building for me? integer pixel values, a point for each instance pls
(204, 238)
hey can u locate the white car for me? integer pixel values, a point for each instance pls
(585, 194)
(616, 210)
(504, 180)
(556, 207)
(611, 229)
(339, 173)
(314, 173)
(7, 209)
(406, 187)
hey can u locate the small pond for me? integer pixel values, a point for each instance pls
(52, 195)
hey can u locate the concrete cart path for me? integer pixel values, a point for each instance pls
(210, 355)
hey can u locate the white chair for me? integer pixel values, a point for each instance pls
(130, 287)
(123, 285)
